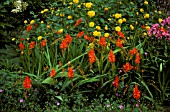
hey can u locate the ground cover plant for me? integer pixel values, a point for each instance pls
(90, 55)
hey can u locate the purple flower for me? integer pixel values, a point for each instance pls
(121, 106)
(21, 100)
(1, 90)
(137, 105)
(108, 105)
(146, 53)
(120, 71)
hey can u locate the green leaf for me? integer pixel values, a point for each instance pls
(160, 69)
(102, 20)
(48, 80)
(59, 97)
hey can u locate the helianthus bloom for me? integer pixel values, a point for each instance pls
(21, 46)
(116, 81)
(98, 27)
(127, 67)
(111, 57)
(133, 51)
(88, 5)
(80, 34)
(32, 44)
(70, 73)
(137, 60)
(78, 21)
(27, 82)
(102, 41)
(43, 43)
(106, 35)
(76, 1)
(52, 73)
(119, 43)
(136, 92)
(29, 27)
(117, 15)
(146, 16)
(120, 34)
(117, 28)
(91, 55)
(91, 24)
(120, 21)
(91, 13)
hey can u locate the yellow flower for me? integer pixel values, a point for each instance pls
(42, 22)
(91, 24)
(131, 2)
(25, 21)
(106, 9)
(88, 5)
(32, 22)
(146, 2)
(69, 17)
(57, 14)
(141, 10)
(117, 28)
(147, 27)
(120, 21)
(52, 11)
(62, 15)
(91, 13)
(146, 16)
(28, 38)
(137, 13)
(13, 39)
(39, 37)
(45, 10)
(136, 22)
(48, 26)
(120, 3)
(96, 33)
(42, 12)
(159, 12)
(98, 27)
(113, 15)
(76, 1)
(109, 19)
(144, 33)
(79, 6)
(70, 3)
(117, 15)
(106, 27)
(61, 30)
(106, 35)
(124, 19)
(91, 45)
(159, 20)
(132, 27)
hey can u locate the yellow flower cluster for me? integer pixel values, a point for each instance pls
(39, 37)
(146, 2)
(43, 11)
(91, 24)
(159, 20)
(98, 27)
(141, 10)
(91, 13)
(76, 1)
(96, 33)
(69, 17)
(117, 28)
(117, 15)
(120, 21)
(106, 35)
(146, 16)
(32, 22)
(131, 27)
(88, 5)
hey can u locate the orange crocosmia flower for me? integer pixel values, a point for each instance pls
(121, 34)
(91, 55)
(90, 39)
(21, 46)
(102, 41)
(127, 67)
(80, 34)
(136, 92)
(63, 44)
(53, 72)
(111, 57)
(70, 73)
(137, 60)
(21, 39)
(29, 27)
(27, 83)
(133, 51)
(119, 43)
(78, 21)
(32, 44)
(43, 43)
(68, 39)
(116, 81)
